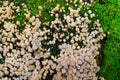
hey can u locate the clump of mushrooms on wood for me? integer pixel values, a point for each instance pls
(73, 44)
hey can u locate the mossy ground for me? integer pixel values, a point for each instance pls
(108, 12)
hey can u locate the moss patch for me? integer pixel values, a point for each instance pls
(109, 14)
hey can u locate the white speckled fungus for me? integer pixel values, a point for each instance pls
(64, 49)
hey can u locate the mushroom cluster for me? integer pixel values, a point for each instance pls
(64, 49)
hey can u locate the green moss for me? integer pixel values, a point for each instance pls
(109, 14)
(18, 2)
(2, 60)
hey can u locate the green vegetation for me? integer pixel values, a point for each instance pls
(108, 12)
